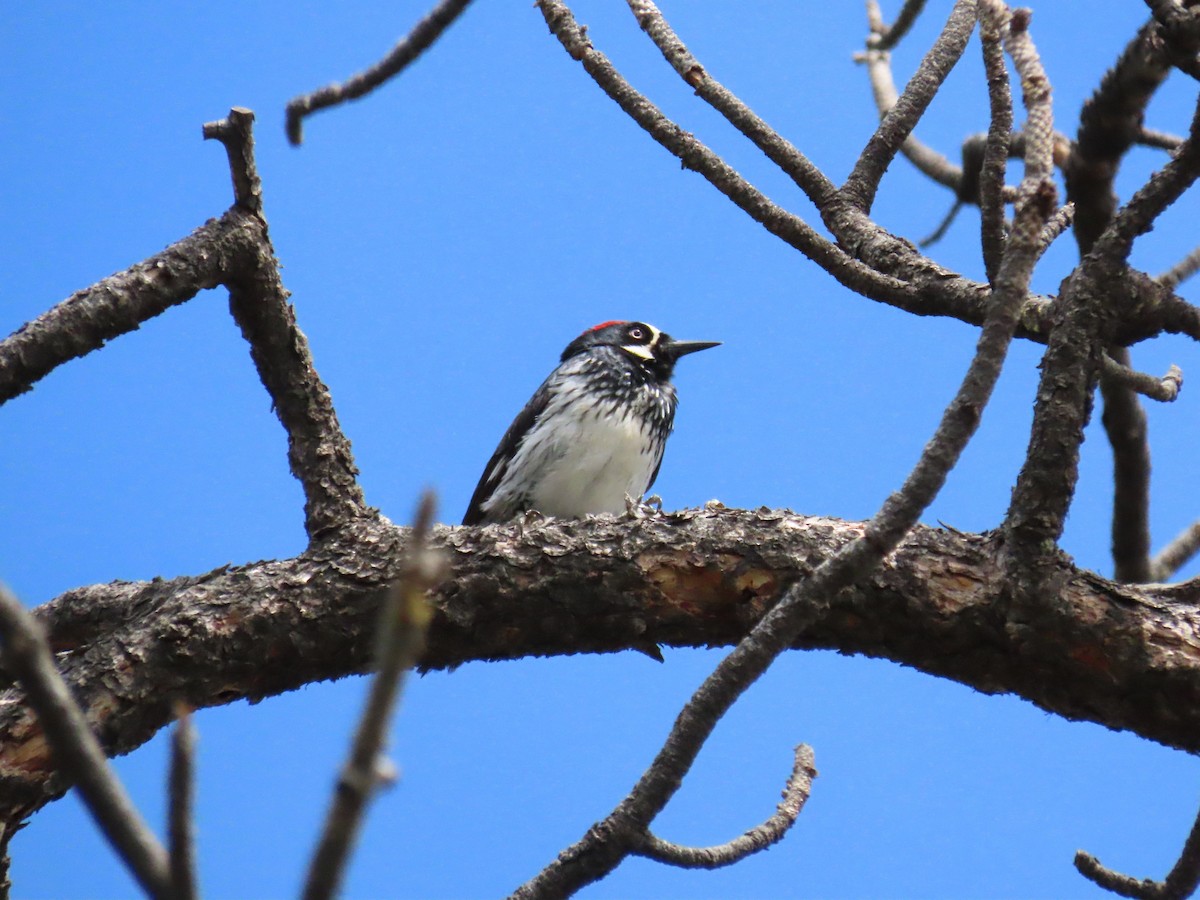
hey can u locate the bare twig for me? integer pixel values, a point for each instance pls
(929, 162)
(901, 118)
(416, 42)
(237, 134)
(1148, 137)
(181, 838)
(1164, 389)
(943, 226)
(779, 150)
(76, 749)
(1164, 187)
(1181, 882)
(1125, 423)
(885, 37)
(1057, 224)
(760, 837)
(401, 635)
(1175, 555)
(1181, 271)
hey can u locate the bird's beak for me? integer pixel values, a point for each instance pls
(676, 349)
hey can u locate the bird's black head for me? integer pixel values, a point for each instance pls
(654, 350)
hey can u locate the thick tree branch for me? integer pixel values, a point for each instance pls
(1122, 656)
(236, 251)
(116, 305)
(1110, 123)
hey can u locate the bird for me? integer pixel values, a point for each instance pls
(593, 433)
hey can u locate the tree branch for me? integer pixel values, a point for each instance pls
(816, 186)
(54, 720)
(416, 42)
(400, 636)
(809, 601)
(760, 837)
(1175, 555)
(1119, 655)
(899, 121)
(885, 37)
(1181, 882)
(180, 790)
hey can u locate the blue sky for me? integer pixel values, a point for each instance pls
(443, 240)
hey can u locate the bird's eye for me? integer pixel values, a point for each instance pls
(637, 333)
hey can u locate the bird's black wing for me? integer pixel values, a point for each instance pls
(493, 473)
(657, 466)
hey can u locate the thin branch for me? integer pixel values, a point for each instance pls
(943, 226)
(1164, 389)
(902, 117)
(117, 305)
(760, 837)
(885, 37)
(1110, 122)
(416, 42)
(1164, 187)
(236, 133)
(401, 636)
(1181, 271)
(1181, 882)
(1124, 423)
(994, 164)
(1176, 554)
(1148, 137)
(1057, 225)
(929, 162)
(779, 150)
(695, 155)
(76, 750)
(181, 837)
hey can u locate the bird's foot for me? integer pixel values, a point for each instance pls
(644, 508)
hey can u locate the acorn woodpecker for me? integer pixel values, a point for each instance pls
(594, 431)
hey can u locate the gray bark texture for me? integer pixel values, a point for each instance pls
(1120, 655)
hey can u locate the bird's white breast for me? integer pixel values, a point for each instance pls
(589, 460)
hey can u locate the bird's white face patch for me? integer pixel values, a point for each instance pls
(644, 349)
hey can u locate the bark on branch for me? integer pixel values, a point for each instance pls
(1125, 657)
